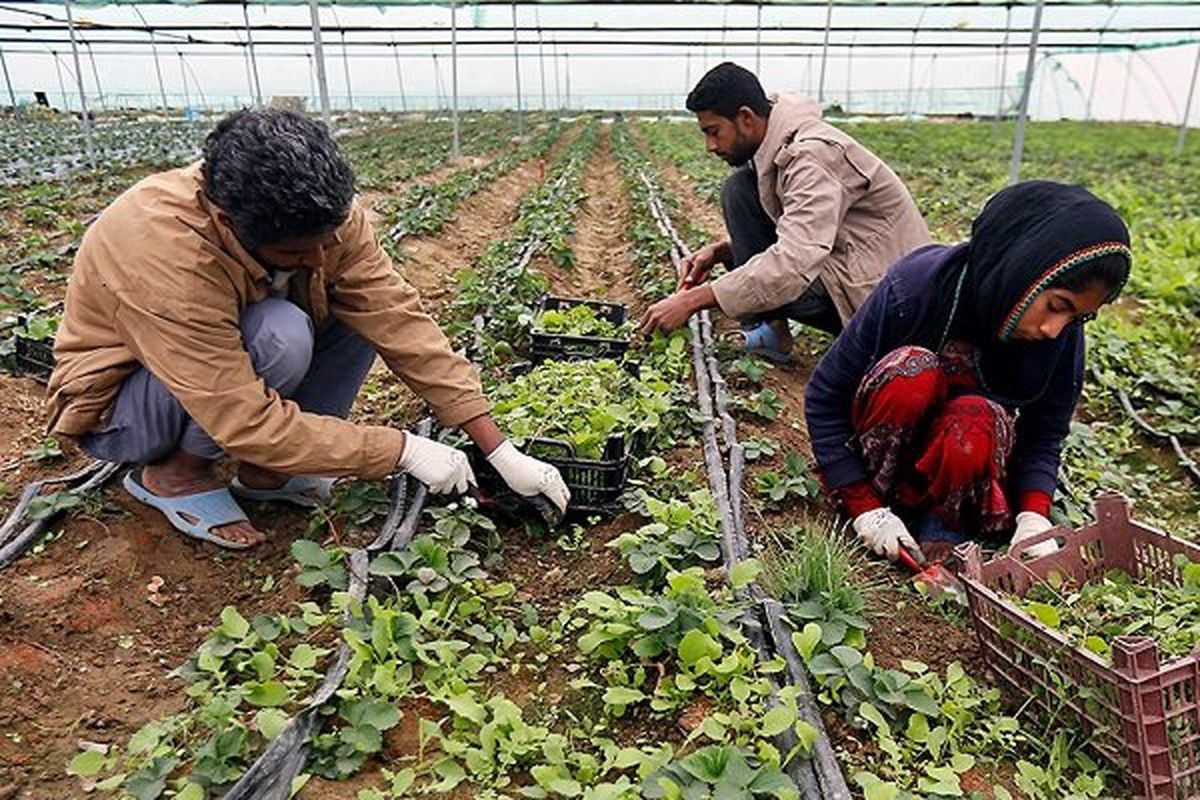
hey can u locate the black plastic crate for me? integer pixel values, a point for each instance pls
(596, 484)
(561, 347)
(33, 357)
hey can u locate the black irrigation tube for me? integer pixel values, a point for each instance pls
(270, 776)
(819, 778)
(14, 542)
(1185, 460)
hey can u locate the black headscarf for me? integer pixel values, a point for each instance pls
(1027, 236)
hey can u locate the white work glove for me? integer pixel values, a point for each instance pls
(529, 477)
(1030, 524)
(884, 533)
(443, 469)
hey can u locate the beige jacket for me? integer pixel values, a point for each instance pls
(841, 214)
(159, 282)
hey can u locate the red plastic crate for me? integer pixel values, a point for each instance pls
(1141, 715)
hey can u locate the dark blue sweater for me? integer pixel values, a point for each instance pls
(901, 311)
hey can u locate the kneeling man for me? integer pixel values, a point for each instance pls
(233, 307)
(814, 219)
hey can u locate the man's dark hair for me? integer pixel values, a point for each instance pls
(279, 175)
(727, 87)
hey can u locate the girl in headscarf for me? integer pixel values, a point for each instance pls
(942, 407)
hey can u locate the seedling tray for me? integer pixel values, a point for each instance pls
(596, 484)
(562, 347)
(33, 357)
(1142, 715)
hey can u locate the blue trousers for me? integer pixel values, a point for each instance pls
(321, 372)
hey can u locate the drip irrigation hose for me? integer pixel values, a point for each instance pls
(1185, 459)
(13, 542)
(820, 777)
(270, 776)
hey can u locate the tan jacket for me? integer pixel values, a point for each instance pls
(159, 282)
(840, 213)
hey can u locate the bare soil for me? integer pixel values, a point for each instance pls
(603, 269)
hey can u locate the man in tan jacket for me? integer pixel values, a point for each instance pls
(234, 307)
(814, 218)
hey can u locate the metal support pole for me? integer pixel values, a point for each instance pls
(849, 72)
(1128, 80)
(557, 78)
(314, 12)
(312, 79)
(87, 122)
(249, 77)
(1003, 64)
(1087, 112)
(197, 84)
(758, 42)
(346, 70)
(253, 61)
(687, 73)
(537, 15)
(62, 88)
(912, 65)
(187, 101)
(162, 87)
(1014, 167)
(932, 81)
(12, 97)
(567, 75)
(399, 77)
(517, 73)
(824, 53)
(437, 84)
(1187, 107)
(455, 144)
(96, 74)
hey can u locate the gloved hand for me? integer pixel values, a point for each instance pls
(529, 477)
(443, 469)
(1030, 524)
(884, 532)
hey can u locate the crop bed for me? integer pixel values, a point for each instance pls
(716, 636)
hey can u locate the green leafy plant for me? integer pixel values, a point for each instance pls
(49, 450)
(583, 403)
(580, 320)
(319, 566)
(765, 403)
(1116, 604)
(682, 532)
(752, 369)
(795, 482)
(760, 447)
(719, 773)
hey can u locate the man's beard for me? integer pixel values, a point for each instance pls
(741, 155)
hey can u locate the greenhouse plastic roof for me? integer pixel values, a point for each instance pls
(876, 3)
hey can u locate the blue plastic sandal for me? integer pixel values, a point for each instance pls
(305, 491)
(761, 340)
(194, 515)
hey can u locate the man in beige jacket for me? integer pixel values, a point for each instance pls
(234, 307)
(813, 218)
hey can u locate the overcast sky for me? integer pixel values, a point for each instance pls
(1149, 85)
